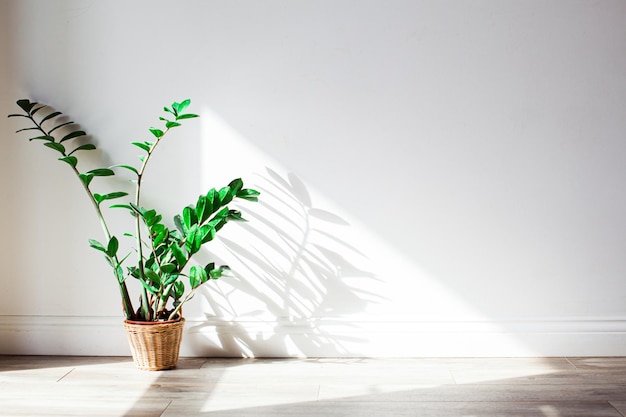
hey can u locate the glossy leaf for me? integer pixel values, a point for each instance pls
(100, 198)
(128, 167)
(206, 234)
(219, 272)
(180, 107)
(170, 125)
(112, 247)
(200, 209)
(171, 279)
(44, 137)
(181, 257)
(86, 179)
(152, 289)
(189, 217)
(179, 290)
(226, 195)
(197, 276)
(236, 185)
(178, 222)
(248, 194)
(186, 116)
(56, 146)
(101, 172)
(73, 135)
(71, 160)
(153, 277)
(142, 146)
(168, 268)
(158, 133)
(191, 243)
(97, 245)
(125, 206)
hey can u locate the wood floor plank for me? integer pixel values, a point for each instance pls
(542, 387)
(399, 409)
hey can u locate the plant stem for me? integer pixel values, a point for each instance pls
(145, 300)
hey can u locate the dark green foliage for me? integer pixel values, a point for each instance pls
(163, 253)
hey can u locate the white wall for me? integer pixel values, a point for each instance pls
(439, 177)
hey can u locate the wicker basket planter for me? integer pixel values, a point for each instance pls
(155, 345)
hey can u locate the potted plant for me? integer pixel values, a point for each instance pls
(160, 257)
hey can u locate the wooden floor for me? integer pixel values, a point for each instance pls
(84, 386)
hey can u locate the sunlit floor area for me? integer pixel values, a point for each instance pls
(110, 386)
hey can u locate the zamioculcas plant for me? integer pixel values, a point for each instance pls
(161, 254)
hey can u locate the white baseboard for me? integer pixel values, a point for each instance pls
(100, 336)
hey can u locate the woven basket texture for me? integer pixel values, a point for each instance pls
(155, 345)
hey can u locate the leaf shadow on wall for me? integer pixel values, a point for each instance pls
(302, 277)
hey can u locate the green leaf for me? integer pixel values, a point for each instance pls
(85, 147)
(206, 233)
(178, 222)
(100, 198)
(180, 107)
(170, 280)
(150, 288)
(170, 125)
(179, 254)
(186, 116)
(160, 237)
(126, 206)
(189, 217)
(97, 245)
(248, 194)
(167, 109)
(71, 160)
(219, 272)
(235, 215)
(86, 178)
(128, 167)
(156, 132)
(236, 185)
(50, 116)
(142, 146)
(45, 137)
(153, 277)
(101, 172)
(112, 247)
(56, 146)
(178, 290)
(168, 268)
(200, 209)
(197, 276)
(226, 195)
(73, 135)
(191, 243)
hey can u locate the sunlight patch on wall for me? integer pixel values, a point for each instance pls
(307, 276)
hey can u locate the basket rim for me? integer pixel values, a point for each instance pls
(153, 323)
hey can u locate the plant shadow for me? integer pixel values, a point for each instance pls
(301, 278)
